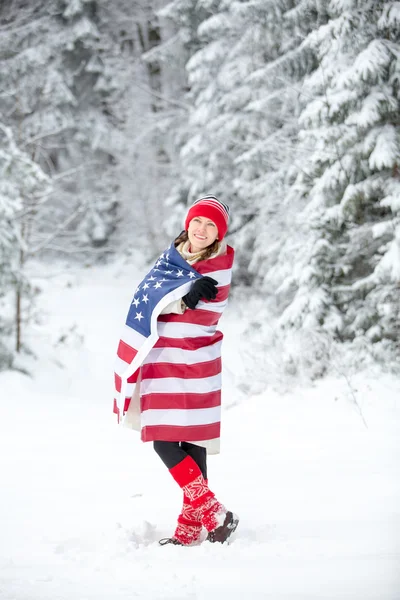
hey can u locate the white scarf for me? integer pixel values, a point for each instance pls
(192, 257)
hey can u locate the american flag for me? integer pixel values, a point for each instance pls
(169, 279)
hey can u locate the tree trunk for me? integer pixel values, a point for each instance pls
(18, 297)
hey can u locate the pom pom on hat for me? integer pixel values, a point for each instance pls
(213, 209)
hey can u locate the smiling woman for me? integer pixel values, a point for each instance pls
(174, 394)
(202, 233)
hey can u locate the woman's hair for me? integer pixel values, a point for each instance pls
(207, 252)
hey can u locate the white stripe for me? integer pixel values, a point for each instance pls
(223, 276)
(129, 389)
(212, 306)
(184, 330)
(199, 416)
(178, 356)
(120, 366)
(171, 384)
(133, 338)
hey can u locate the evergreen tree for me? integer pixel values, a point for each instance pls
(83, 103)
(345, 278)
(241, 137)
(63, 73)
(23, 187)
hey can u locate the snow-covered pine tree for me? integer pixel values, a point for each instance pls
(23, 186)
(240, 139)
(82, 102)
(62, 74)
(346, 274)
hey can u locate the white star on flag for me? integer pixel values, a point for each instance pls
(136, 302)
(139, 316)
(145, 299)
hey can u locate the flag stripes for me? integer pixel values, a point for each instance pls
(179, 375)
(169, 354)
(195, 371)
(180, 401)
(188, 343)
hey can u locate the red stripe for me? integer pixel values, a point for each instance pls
(116, 410)
(180, 401)
(223, 293)
(126, 352)
(182, 371)
(188, 343)
(220, 263)
(118, 382)
(131, 379)
(134, 377)
(197, 317)
(170, 433)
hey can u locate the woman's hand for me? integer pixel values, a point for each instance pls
(205, 287)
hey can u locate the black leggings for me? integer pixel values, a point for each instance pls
(172, 453)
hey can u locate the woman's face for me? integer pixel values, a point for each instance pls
(202, 233)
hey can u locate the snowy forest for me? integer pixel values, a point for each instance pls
(115, 116)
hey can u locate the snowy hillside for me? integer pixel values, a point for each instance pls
(83, 502)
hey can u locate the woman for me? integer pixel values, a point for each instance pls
(173, 382)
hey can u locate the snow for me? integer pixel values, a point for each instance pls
(84, 502)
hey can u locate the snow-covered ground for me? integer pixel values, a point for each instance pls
(83, 502)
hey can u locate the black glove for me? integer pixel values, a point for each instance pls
(205, 287)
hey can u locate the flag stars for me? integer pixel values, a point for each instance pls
(145, 299)
(151, 279)
(191, 275)
(146, 285)
(136, 302)
(158, 285)
(179, 273)
(139, 316)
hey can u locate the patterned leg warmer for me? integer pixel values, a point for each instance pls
(189, 526)
(189, 477)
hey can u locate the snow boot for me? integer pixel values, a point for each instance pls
(222, 533)
(165, 541)
(219, 522)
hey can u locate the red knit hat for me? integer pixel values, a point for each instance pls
(211, 208)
